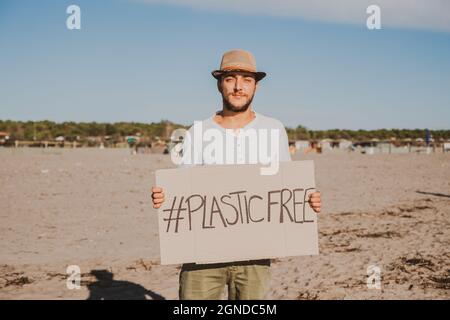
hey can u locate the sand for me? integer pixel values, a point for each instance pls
(92, 208)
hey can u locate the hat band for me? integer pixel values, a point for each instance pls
(238, 67)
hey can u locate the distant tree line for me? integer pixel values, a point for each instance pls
(71, 131)
(302, 133)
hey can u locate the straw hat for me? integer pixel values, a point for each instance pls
(238, 60)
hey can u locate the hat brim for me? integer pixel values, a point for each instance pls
(219, 73)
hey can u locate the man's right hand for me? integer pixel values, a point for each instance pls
(157, 196)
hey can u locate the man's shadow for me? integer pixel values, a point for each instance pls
(106, 288)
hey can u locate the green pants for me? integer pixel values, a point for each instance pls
(246, 280)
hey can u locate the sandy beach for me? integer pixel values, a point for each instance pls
(92, 208)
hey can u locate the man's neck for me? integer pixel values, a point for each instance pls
(234, 120)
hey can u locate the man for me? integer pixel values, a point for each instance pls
(237, 81)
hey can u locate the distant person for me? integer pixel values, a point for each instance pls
(133, 144)
(237, 82)
(315, 147)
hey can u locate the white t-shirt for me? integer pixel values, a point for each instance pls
(261, 141)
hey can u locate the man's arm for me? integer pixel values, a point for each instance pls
(314, 198)
(187, 161)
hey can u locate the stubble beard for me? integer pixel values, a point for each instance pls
(230, 107)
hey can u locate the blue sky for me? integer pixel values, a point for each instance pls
(147, 61)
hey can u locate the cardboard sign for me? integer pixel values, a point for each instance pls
(225, 213)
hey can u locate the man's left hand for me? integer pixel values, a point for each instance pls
(314, 201)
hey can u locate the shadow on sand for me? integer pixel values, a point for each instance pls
(106, 288)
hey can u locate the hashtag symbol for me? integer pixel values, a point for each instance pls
(178, 212)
